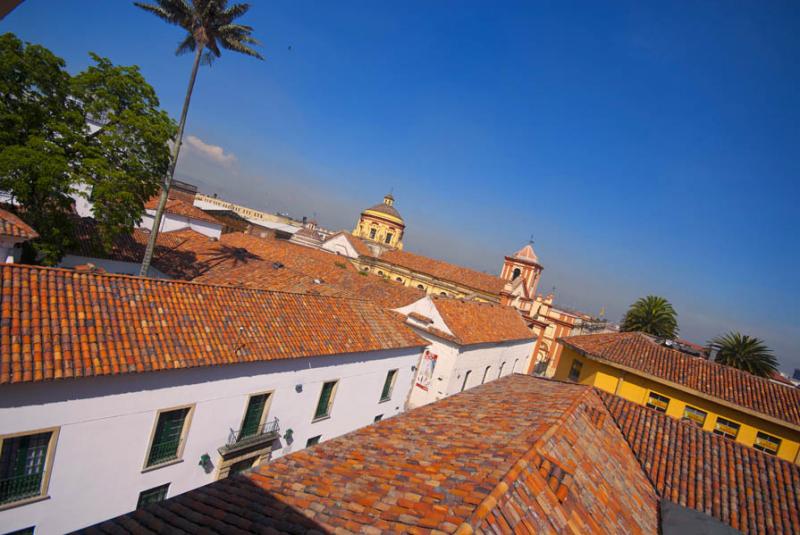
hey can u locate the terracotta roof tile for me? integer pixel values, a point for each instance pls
(174, 254)
(517, 454)
(12, 225)
(747, 489)
(182, 208)
(473, 322)
(446, 271)
(638, 351)
(57, 323)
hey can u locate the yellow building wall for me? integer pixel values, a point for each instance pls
(637, 389)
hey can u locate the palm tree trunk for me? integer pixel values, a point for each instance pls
(162, 201)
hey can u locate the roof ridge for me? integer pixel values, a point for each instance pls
(490, 501)
(31, 267)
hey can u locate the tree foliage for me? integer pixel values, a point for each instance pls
(102, 127)
(745, 352)
(652, 315)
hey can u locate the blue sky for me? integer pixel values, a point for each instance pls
(649, 147)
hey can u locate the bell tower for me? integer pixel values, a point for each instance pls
(524, 265)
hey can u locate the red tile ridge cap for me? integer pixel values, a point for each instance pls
(506, 482)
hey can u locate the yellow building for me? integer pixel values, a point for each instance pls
(381, 224)
(753, 411)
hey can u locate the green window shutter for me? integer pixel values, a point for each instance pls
(167, 437)
(252, 417)
(22, 464)
(387, 385)
(154, 495)
(323, 407)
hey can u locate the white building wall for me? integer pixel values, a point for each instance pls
(110, 266)
(455, 361)
(9, 252)
(340, 245)
(106, 424)
(170, 222)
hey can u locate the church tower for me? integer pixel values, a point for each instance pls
(523, 265)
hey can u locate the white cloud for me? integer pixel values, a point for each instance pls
(214, 153)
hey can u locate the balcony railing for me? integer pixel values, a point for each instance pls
(162, 452)
(20, 487)
(244, 438)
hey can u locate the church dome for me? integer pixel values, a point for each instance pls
(386, 208)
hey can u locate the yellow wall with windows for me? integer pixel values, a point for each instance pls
(380, 228)
(415, 280)
(637, 388)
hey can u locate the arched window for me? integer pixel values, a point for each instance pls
(516, 273)
(514, 369)
(443, 294)
(466, 378)
(380, 273)
(398, 279)
(485, 374)
(500, 373)
(421, 287)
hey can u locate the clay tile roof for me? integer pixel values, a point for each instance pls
(57, 323)
(182, 208)
(446, 271)
(639, 352)
(518, 454)
(473, 322)
(174, 254)
(747, 489)
(12, 225)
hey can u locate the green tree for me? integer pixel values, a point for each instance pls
(652, 315)
(47, 146)
(745, 352)
(209, 24)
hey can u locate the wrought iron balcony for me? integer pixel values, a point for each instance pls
(251, 438)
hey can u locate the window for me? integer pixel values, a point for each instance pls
(500, 373)
(695, 416)
(657, 402)
(378, 418)
(313, 441)
(388, 238)
(241, 466)
(421, 287)
(466, 378)
(253, 416)
(516, 274)
(399, 279)
(23, 531)
(443, 294)
(167, 437)
(726, 428)
(372, 233)
(25, 464)
(575, 371)
(388, 385)
(325, 400)
(154, 495)
(514, 369)
(485, 374)
(767, 443)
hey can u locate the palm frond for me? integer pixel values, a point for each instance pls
(187, 45)
(237, 46)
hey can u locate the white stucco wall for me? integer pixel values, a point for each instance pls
(170, 222)
(455, 361)
(106, 423)
(340, 245)
(111, 266)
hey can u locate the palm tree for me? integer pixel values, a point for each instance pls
(744, 352)
(652, 315)
(209, 25)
